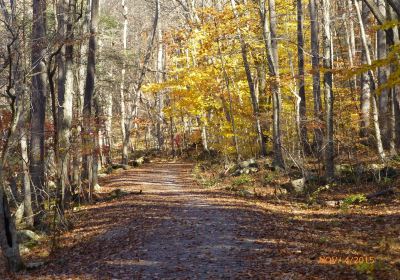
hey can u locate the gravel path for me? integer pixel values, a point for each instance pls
(197, 238)
(173, 230)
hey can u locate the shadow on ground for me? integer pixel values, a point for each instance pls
(177, 231)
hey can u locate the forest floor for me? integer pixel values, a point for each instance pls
(176, 229)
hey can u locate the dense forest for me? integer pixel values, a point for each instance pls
(294, 103)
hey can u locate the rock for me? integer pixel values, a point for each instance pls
(119, 166)
(109, 169)
(253, 169)
(376, 166)
(140, 160)
(27, 236)
(246, 171)
(298, 185)
(137, 162)
(282, 191)
(333, 203)
(97, 188)
(34, 265)
(253, 163)
(51, 185)
(126, 167)
(267, 163)
(343, 169)
(238, 172)
(244, 164)
(23, 249)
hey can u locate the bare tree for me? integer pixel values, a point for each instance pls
(318, 134)
(39, 92)
(328, 90)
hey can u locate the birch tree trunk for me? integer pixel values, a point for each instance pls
(373, 83)
(365, 98)
(301, 80)
(328, 90)
(125, 122)
(160, 94)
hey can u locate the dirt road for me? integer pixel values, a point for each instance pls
(176, 230)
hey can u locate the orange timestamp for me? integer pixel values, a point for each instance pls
(354, 260)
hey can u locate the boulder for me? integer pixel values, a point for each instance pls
(120, 166)
(333, 203)
(343, 169)
(253, 169)
(253, 163)
(102, 175)
(244, 164)
(298, 185)
(34, 265)
(97, 188)
(23, 249)
(137, 162)
(27, 236)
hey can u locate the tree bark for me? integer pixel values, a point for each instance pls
(373, 83)
(328, 90)
(39, 91)
(8, 232)
(65, 100)
(275, 88)
(384, 108)
(160, 94)
(250, 82)
(318, 132)
(301, 80)
(125, 120)
(89, 132)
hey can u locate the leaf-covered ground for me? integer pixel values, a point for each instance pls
(178, 230)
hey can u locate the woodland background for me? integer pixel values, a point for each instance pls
(309, 89)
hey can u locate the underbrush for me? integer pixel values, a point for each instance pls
(355, 186)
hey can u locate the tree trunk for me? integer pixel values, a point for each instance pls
(8, 232)
(318, 133)
(328, 90)
(373, 83)
(125, 122)
(28, 211)
(250, 82)
(365, 98)
(275, 88)
(89, 142)
(39, 91)
(79, 141)
(65, 100)
(160, 94)
(384, 108)
(301, 80)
